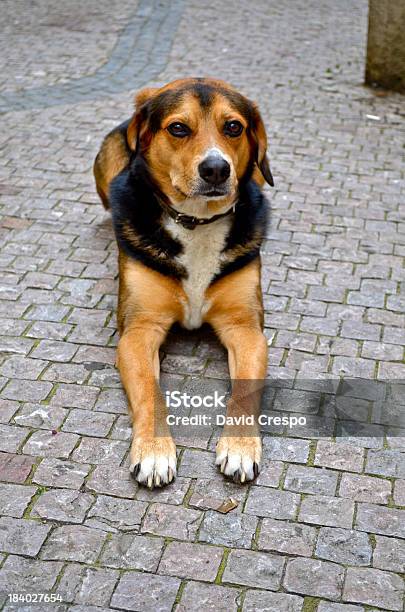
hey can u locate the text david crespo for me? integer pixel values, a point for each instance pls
(243, 419)
(175, 399)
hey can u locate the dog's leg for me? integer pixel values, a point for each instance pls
(236, 314)
(147, 308)
(153, 453)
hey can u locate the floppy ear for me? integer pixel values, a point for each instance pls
(260, 137)
(134, 126)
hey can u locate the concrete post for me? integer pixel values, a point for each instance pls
(386, 44)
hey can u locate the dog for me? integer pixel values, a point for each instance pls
(183, 180)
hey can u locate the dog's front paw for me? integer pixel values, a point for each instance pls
(153, 461)
(239, 457)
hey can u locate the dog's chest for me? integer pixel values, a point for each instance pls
(201, 257)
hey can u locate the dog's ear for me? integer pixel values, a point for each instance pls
(260, 142)
(134, 127)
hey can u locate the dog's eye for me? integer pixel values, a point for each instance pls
(233, 128)
(180, 130)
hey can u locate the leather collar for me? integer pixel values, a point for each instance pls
(189, 221)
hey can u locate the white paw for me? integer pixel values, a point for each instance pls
(239, 457)
(153, 462)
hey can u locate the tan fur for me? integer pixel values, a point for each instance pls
(237, 317)
(175, 162)
(149, 302)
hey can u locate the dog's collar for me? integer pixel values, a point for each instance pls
(189, 221)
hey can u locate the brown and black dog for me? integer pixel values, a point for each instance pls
(182, 178)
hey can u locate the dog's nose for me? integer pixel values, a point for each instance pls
(214, 169)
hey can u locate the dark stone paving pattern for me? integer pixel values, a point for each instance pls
(322, 529)
(135, 59)
(72, 40)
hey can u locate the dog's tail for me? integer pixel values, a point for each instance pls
(113, 157)
(98, 175)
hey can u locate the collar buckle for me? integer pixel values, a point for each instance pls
(187, 221)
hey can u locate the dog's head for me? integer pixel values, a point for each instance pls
(199, 138)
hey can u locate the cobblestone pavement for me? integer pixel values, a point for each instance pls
(323, 527)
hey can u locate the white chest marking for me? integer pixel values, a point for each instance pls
(201, 257)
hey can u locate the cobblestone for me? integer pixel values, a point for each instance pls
(15, 468)
(365, 488)
(333, 286)
(51, 444)
(287, 449)
(399, 493)
(112, 400)
(66, 373)
(172, 521)
(36, 391)
(63, 505)
(73, 543)
(311, 577)
(15, 498)
(88, 423)
(12, 438)
(386, 463)
(133, 552)
(263, 501)
(328, 511)
(23, 367)
(94, 450)
(285, 537)
(174, 494)
(254, 569)
(75, 396)
(374, 587)
(60, 473)
(113, 480)
(197, 596)
(344, 546)
(389, 554)
(265, 600)
(19, 575)
(112, 514)
(195, 561)
(54, 350)
(310, 480)
(22, 537)
(228, 529)
(87, 586)
(148, 592)
(270, 473)
(40, 416)
(339, 456)
(209, 494)
(325, 606)
(195, 462)
(377, 519)
(7, 409)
